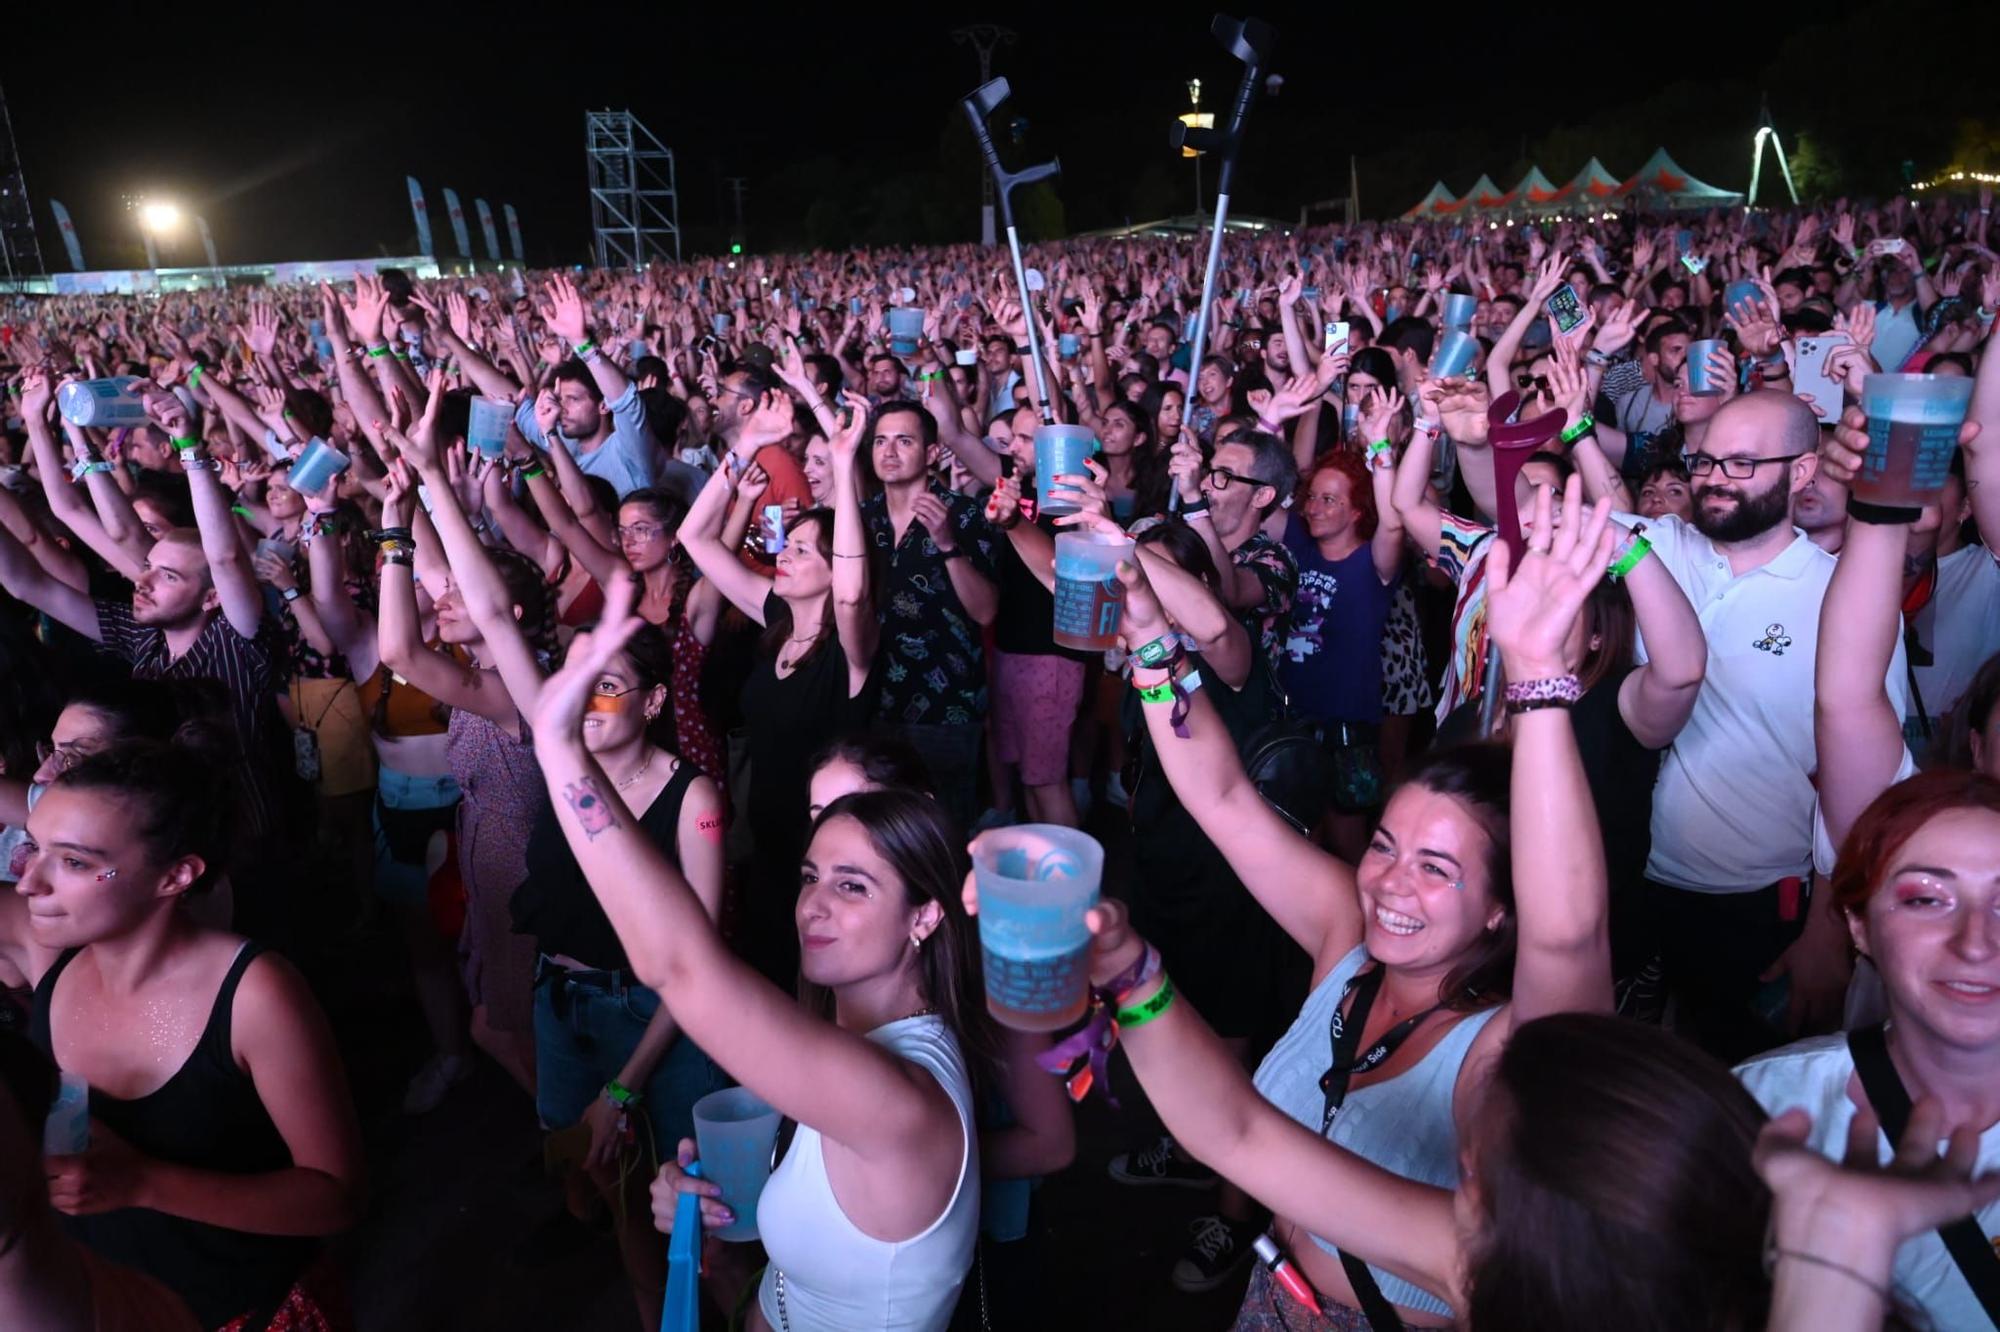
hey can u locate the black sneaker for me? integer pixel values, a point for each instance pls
(1159, 1164)
(1217, 1249)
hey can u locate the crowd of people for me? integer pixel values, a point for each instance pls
(1571, 907)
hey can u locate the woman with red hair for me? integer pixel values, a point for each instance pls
(1917, 885)
(1348, 541)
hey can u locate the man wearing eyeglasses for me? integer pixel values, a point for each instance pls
(1733, 811)
(1227, 503)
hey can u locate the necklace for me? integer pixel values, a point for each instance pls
(643, 769)
(925, 1011)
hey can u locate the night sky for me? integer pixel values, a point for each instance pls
(295, 145)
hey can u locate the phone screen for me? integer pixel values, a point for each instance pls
(1565, 308)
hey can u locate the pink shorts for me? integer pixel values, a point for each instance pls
(1035, 699)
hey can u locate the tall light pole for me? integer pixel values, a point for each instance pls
(983, 37)
(1195, 119)
(156, 219)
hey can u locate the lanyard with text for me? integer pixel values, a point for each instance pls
(1344, 1033)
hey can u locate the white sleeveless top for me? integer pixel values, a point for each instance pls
(1814, 1074)
(1403, 1124)
(840, 1280)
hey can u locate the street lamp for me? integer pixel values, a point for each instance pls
(156, 218)
(1196, 119)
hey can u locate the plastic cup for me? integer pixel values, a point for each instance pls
(735, 1133)
(1913, 423)
(1036, 881)
(1699, 382)
(487, 431)
(1068, 345)
(905, 327)
(102, 402)
(1739, 291)
(1089, 598)
(318, 464)
(66, 1131)
(1459, 309)
(1454, 353)
(720, 323)
(1060, 451)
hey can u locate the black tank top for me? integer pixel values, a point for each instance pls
(555, 906)
(207, 1116)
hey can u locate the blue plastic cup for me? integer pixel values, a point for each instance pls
(1699, 381)
(1088, 597)
(318, 464)
(1459, 309)
(1913, 423)
(102, 403)
(1060, 451)
(1739, 291)
(486, 432)
(1036, 881)
(720, 323)
(1454, 354)
(735, 1133)
(1067, 346)
(906, 325)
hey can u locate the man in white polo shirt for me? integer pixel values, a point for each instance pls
(1726, 899)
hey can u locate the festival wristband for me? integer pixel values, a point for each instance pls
(1585, 424)
(1140, 1014)
(194, 376)
(84, 467)
(585, 348)
(397, 555)
(621, 1096)
(382, 350)
(1381, 448)
(1193, 507)
(1596, 357)
(1158, 653)
(186, 445)
(1130, 979)
(1556, 691)
(1881, 515)
(1636, 550)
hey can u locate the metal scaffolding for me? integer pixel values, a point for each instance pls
(634, 208)
(20, 252)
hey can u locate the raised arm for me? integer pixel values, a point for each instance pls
(853, 606)
(221, 540)
(61, 564)
(1562, 957)
(1309, 892)
(22, 575)
(566, 319)
(846, 1086)
(1856, 727)
(489, 380)
(1410, 492)
(351, 632)
(701, 536)
(1658, 697)
(69, 505)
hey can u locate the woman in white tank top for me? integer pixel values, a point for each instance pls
(871, 1218)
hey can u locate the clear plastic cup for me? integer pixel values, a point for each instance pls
(1699, 382)
(1036, 881)
(316, 465)
(720, 323)
(1454, 353)
(1060, 451)
(905, 327)
(66, 1131)
(486, 433)
(102, 403)
(1459, 309)
(1089, 598)
(735, 1133)
(1913, 423)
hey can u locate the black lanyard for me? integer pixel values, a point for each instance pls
(1344, 1034)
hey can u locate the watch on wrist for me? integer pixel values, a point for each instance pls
(291, 594)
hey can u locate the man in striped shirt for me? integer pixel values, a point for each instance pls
(196, 612)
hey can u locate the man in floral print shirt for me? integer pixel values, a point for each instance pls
(935, 575)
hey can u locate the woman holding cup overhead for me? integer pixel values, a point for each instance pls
(871, 1217)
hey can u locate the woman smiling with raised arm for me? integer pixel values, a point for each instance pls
(1475, 908)
(813, 679)
(870, 1219)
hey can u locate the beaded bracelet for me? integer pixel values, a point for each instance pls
(1556, 691)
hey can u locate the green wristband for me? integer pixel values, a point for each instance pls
(1139, 1014)
(1634, 553)
(194, 376)
(585, 348)
(616, 1093)
(382, 350)
(1584, 425)
(187, 443)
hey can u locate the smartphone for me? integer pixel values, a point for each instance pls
(1007, 464)
(1310, 293)
(1692, 264)
(966, 356)
(1565, 308)
(1067, 346)
(1811, 382)
(1335, 335)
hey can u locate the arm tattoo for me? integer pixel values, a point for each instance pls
(587, 802)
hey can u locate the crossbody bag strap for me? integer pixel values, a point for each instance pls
(1967, 1244)
(1368, 1294)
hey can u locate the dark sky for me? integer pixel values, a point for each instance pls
(295, 145)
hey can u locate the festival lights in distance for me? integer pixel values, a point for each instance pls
(1958, 178)
(158, 216)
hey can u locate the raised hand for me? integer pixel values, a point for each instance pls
(261, 333)
(929, 510)
(1531, 606)
(1184, 465)
(458, 313)
(565, 695)
(1620, 326)
(364, 310)
(564, 313)
(1378, 411)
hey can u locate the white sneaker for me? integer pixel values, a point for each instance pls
(434, 1081)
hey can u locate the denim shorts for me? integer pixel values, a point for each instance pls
(587, 1024)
